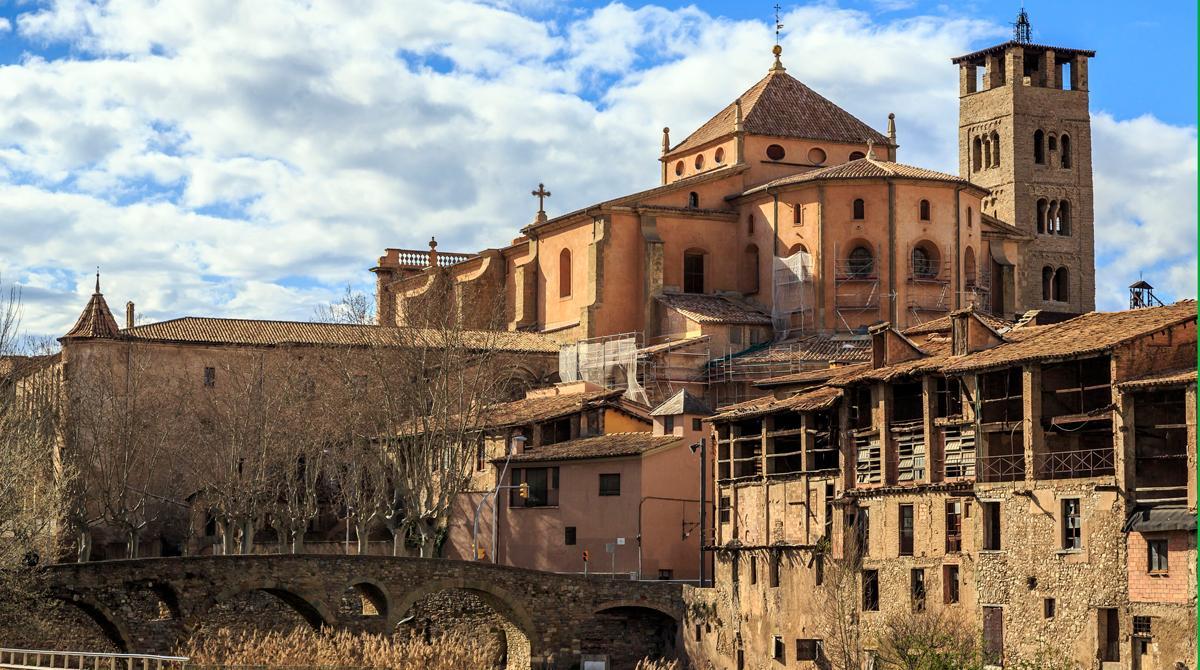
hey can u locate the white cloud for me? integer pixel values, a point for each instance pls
(250, 158)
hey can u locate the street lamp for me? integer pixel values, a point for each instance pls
(513, 446)
(702, 447)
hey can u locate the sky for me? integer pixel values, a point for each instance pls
(225, 158)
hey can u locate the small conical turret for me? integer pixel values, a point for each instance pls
(97, 320)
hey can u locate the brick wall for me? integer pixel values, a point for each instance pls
(1171, 587)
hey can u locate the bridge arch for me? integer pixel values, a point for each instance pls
(658, 628)
(518, 623)
(310, 608)
(373, 592)
(109, 624)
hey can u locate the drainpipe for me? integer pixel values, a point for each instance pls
(956, 271)
(893, 294)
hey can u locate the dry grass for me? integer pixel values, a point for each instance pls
(303, 648)
(647, 664)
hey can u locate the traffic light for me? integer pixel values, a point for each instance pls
(585, 556)
(523, 490)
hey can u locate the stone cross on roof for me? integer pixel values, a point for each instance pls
(541, 194)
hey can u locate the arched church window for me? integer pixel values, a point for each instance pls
(719, 155)
(699, 161)
(987, 153)
(1062, 285)
(860, 209)
(775, 152)
(855, 155)
(969, 267)
(924, 210)
(1065, 156)
(995, 149)
(970, 217)
(1052, 143)
(693, 271)
(1047, 283)
(693, 200)
(750, 225)
(977, 151)
(1039, 150)
(749, 269)
(861, 263)
(679, 169)
(564, 273)
(1064, 218)
(1041, 215)
(925, 261)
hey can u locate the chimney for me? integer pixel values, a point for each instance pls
(129, 314)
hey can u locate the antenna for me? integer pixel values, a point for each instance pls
(1022, 30)
(778, 25)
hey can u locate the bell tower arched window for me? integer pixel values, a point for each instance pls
(1062, 285)
(995, 149)
(1065, 152)
(977, 154)
(1039, 149)
(1047, 283)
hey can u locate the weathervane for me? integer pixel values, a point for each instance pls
(778, 25)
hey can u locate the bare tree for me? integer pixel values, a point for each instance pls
(239, 423)
(124, 425)
(940, 640)
(424, 394)
(33, 479)
(840, 614)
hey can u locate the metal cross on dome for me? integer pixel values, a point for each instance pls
(778, 25)
(541, 194)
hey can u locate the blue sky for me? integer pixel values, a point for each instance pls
(251, 159)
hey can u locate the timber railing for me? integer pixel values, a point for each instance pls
(35, 659)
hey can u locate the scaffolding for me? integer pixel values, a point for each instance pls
(856, 289)
(792, 293)
(610, 361)
(929, 293)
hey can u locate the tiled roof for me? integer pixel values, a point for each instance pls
(863, 168)
(809, 376)
(1035, 47)
(943, 324)
(682, 402)
(544, 408)
(808, 349)
(96, 320)
(936, 347)
(671, 345)
(601, 446)
(705, 308)
(1159, 379)
(1090, 333)
(815, 400)
(268, 333)
(780, 105)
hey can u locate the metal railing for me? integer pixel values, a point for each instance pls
(1001, 468)
(1078, 463)
(37, 659)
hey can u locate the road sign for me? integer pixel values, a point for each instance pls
(621, 541)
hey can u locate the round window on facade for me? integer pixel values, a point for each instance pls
(816, 156)
(719, 156)
(700, 161)
(679, 168)
(855, 155)
(775, 152)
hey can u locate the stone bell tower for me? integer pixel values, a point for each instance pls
(1024, 131)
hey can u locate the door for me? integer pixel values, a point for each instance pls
(993, 635)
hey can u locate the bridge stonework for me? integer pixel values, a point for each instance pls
(559, 614)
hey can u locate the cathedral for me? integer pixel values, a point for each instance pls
(784, 218)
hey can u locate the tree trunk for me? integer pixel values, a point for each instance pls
(398, 548)
(131, 544)
(85, 545)
(282, 531)
(298, 540)
(361, 536)
(248, 537)
(225, 529)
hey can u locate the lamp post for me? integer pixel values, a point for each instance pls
(490, 498)
(702, 445)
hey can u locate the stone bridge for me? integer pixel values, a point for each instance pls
(563, 617)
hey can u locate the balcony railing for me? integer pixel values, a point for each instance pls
(1001, 468)
(1079, 463)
